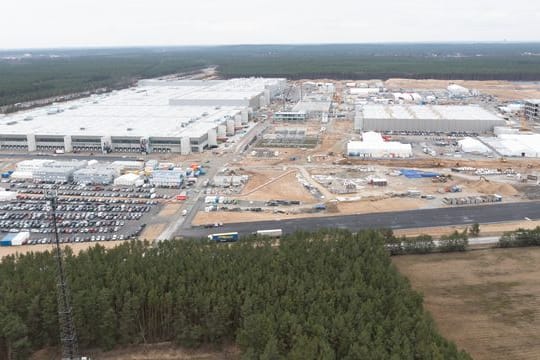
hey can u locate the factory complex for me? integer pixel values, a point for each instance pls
(180, 116)
(429, 118)
(278, 150)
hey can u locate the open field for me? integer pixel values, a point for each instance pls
(76, 247)
(494, 229)
(487, 301)
(358, 207)
(504, 90)
(161, 351)
(151, 232)
(285, 187)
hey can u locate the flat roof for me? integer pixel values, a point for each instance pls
(533, 101)
(138, 111)
(428, 112)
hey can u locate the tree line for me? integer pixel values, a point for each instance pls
(520, 238)
(425, 244)
(77, 71)
(324, 295)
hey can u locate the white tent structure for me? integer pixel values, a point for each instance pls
(374, 146)
(472, 145)
(127, 180)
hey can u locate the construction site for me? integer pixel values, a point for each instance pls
(319, 148)
(351, 170)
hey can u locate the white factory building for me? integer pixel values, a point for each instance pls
(515, 145)
(180, 116)
(374, 146)
(432, 118)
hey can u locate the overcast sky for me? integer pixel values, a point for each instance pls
(81, 23)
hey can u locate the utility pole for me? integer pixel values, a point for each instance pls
(68, 335)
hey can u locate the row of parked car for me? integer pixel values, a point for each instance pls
(87, 238)
(95, 209)
(93, 191)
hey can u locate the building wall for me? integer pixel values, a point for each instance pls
(479, 126)
(532, 111)
(210, 102)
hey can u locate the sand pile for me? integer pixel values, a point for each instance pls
(489, 187)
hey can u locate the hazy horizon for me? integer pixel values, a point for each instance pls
(55, 24)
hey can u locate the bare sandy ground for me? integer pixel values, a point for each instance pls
(487, 301)
(504, 90)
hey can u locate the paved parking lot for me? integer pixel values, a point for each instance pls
(84, 213)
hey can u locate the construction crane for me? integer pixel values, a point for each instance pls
(68, 335)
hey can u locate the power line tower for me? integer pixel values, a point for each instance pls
(68, 335)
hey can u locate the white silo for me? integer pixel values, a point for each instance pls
(68, 147)
(238, 120)
(185, 146)
(245, 116)
(221, 131)
(262, 101)
(230, 127)
(212, 137)
(31, 141)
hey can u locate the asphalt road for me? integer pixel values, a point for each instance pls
(393, 220)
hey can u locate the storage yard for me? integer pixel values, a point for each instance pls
(261, 149)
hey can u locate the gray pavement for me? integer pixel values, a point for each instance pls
(393, 220)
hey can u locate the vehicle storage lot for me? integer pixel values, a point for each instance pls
(487, 301)
(84, 213)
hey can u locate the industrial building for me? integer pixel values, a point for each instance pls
(180, 116)
(58, 171)
(292, 116)
(532, 109)
(99, 175)
(167, 178)
(374, 146)
(314, 105)
(432, 118)
(515, 145)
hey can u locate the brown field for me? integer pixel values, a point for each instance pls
(170, 209)
(358, 207)
(494, 229)
(77, 247)
(151, 232)
(284, 188)
(162, 351)
(487, 301)
(504, 90)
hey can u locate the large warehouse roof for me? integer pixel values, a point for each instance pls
(428, 112)
(140, 111)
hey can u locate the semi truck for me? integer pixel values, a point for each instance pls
(224, 237)
(274, 233)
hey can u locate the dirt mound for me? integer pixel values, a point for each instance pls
(489, 187)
